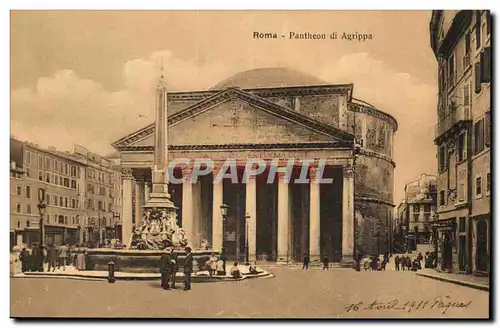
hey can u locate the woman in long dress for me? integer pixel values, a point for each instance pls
(80, 258)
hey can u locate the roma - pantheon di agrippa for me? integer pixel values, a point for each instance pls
(277, 115)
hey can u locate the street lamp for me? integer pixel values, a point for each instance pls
(223, 210)
(247, 222)
(42, 206)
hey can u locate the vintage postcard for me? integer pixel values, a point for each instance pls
(250, 164)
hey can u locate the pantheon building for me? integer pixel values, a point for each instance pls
(273, 114)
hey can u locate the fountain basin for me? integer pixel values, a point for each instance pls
(146, 261)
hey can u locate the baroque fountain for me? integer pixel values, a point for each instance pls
(159, 228)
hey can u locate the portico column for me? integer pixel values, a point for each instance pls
(216, 213)
(314, 216)
(283, 218)
(348, 215)
(139, 202)
(127, 208)
(147, 191)
(251, 209)
(187, 205)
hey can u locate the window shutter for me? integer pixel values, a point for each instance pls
(477, 70)
(487, 128)
(486, 65)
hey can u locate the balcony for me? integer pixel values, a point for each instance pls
(460, 114)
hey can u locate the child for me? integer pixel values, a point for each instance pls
(325, 263)
(235, 271)
(220, 268)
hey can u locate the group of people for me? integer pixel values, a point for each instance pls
(373, 263)
(306, 260)
(54, 256)
(169, 266)
(405, 263)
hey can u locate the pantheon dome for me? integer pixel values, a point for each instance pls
(272, 77)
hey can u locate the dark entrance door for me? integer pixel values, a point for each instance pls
(447, 252)
(482, 246)
(234, 197)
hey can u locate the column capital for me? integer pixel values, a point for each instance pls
(313, 171)
(348, 171)
(187, 171)
(127, 174)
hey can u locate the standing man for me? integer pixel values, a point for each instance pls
(305, 261)
(166, 267)
(326, 263)
(63, 254)
(188, 268)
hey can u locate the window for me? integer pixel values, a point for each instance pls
(461, 147)
(40, 161)
(415, 217)
(27, 223)
(427, 217)
(441, 198)
(28, 208)
(18, 208)
(467, 43)
(477, 77)
(488, 183)
(427, 208)
(479, 136)
(18, 224)
(99, 205)
(65, 201)
(416, 208)
(461, 224)
(478, 187)
(40, 175)
(110, 209)
(461, 191)
(488, 22)
(65, 219)
(61, 201)
(61, 181)
(61, 219)
(442, 158)
(487, 129)
(66, 168)
(478, 29)
(47, 163)
(55, 200)
(73, 203)
(66, 182)
(19, 190)
(466, 95)
(451, 71)
(47, 177)
(485, 60)
(47, 218)
(47, 197)
(28, 192)
(73, 184)
(27, 157)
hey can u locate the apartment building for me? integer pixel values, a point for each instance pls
(65, 177)
(461, 41)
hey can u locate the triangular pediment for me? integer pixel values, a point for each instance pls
(238, 117)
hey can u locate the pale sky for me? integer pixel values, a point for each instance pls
(85, 77)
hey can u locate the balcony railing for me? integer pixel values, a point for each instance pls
(461, 113)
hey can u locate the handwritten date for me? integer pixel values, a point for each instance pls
(441, 303)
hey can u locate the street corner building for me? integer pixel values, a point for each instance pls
(271, 114)
(461, 41)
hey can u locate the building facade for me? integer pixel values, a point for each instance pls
(416, 212)
(63, 176)
(461, 41)
(280, 115)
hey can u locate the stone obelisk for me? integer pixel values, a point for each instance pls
(159, 197)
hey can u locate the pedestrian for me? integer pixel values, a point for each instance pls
(52, 258)
(24, 258)
(188, 268)
(220, 268)
(253, 268)
(36, 264)
(305, 261)
(167, 265)
(374, 263)
(325, 263)
(63, 254)
(408, 263)
(235, 271)
(419, 260)
(212, 265)
(80, 258)
(396, 262)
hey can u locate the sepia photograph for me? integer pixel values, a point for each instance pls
(245, 164)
